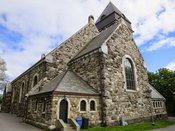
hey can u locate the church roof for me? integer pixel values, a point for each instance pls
(110, 8)
(97, 41)
(110, 14)
(155, 94)
(67, 82)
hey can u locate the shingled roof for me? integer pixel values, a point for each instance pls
(67, 82)
(97, 41)
(155, 94)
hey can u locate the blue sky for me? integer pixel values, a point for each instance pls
(31, 28)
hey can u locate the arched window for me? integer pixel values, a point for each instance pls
(83, 105)
(35, 80)
(129, 74)
(21, 92)
(92, 105)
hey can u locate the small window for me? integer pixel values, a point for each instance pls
(129, 74)
(154, 104)
(21, 92)
(36, 105)
(83, 105)
(44, 105)
(35, 80)
(92, 105)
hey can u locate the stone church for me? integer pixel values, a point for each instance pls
(98, 73)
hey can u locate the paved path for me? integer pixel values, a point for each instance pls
(169, 128)
(9, 122)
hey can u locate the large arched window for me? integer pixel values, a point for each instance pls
(83, 105)
(92, 105)
(35, 80)
(21, 92)
(129, 74)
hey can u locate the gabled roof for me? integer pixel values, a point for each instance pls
(67, 82)
(97, 42)
(155, 94)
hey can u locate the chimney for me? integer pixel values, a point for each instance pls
(91, 19)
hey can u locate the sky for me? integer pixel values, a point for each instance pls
(31, 28)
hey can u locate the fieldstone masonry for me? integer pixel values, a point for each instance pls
(101, 68)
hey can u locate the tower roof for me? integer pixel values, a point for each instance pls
(110, 8)
(109, 15)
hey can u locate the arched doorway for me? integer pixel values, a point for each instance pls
(63, 110)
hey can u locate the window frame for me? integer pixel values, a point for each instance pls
(124, 75)
(21, 91)
(94, 105)
(81, 105)
(34, 83)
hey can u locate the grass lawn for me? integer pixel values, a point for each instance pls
(133, 127)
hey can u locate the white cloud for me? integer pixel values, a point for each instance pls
(43, 22)
(171, 66)
(163, 42)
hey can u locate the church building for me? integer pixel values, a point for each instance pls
(98, 73)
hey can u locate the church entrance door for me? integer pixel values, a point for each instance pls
(63, 110)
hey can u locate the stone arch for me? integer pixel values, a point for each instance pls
(95, 102)
(35, 79)
(58, 107)
(21, 91)
(87, 107)
(135, 72)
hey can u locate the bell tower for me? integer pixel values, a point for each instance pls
(109, 16)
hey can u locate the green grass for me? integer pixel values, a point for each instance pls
(134, 127)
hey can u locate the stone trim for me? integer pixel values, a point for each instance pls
(74, 93)
(36, 74)
(135, 73)
(58, 107)
(87, 105)
(95, 105)
(21, 91)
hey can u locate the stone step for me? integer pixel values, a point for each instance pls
(69, 127)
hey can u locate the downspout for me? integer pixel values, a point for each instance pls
(103, 123)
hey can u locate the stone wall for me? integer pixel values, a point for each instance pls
(18, 106)
(38, 115)
(88, 68)
(59, 58)
(118, 101)
(68, 49)
(74, 108)
(6, 102)
(159, 108)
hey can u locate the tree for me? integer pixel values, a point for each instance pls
(2, 73)
(164, 81)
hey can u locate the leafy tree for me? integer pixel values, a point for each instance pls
(2, 73)
(164, 81)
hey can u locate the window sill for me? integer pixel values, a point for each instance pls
(93, 111)
(127, 90)
(83, 111)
